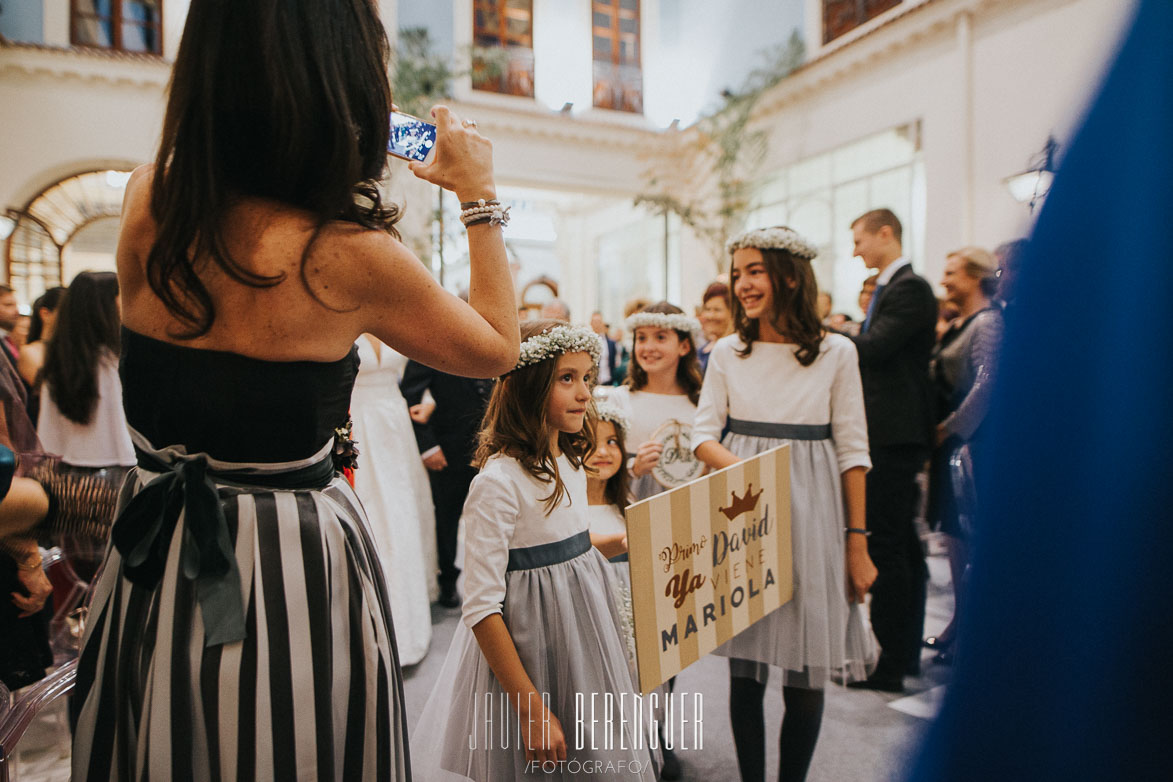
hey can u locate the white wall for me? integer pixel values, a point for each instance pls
(1035, 66)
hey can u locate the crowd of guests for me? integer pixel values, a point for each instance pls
(279, 539)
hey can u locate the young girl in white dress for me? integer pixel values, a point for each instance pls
(663, 384)
(607, 496)
(781, 379)
(541, 639)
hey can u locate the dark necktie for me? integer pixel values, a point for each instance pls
(867, 321)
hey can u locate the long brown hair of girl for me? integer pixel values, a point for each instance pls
(617, 489)
(516, 422)
(795, 305)
(688, 370)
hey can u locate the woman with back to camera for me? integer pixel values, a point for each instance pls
(81, 418)
(240, 627)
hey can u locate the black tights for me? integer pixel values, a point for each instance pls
(800, 729)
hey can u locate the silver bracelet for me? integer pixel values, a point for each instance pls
(493, 214)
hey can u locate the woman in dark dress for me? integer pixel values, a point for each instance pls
(963, 372)
(240, 628)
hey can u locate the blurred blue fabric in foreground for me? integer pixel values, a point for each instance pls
(1067, 648)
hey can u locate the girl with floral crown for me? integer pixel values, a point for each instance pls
(659, 400)
(781, 379)
(540, 622)
(663, 385)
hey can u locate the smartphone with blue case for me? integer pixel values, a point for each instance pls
(411, 137)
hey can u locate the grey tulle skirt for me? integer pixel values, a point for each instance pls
(567, 630)
(818, 635)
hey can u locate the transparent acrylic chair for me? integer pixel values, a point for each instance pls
(20, 709)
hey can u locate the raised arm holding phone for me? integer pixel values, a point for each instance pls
(244, 631)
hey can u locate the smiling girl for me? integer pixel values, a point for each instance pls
(780, 379)
(540, 622)
(663, 385)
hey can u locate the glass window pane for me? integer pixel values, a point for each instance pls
(629, 5)
(847, 272)
(89, 31)
(519, 28)
(872, 154)
(140, 10)
(521, 5)
(811, 217)
(602, 20)
(138, 37)
(628, 26)
(811, 174)
(602, 48)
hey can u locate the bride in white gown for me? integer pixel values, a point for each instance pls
(393, 486)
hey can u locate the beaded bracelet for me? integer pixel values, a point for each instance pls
(494, 215)
(479, 202)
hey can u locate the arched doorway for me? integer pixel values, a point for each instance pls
(68, 227)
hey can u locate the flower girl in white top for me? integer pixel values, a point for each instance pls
(541, 639)
(781, 379)
(663, 384)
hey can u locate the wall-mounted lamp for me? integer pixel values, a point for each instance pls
(1032, 185)
(566, 107)
(7, 225)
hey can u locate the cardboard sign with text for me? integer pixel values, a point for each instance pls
(708, 559)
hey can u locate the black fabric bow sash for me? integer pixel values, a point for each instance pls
(142, 534)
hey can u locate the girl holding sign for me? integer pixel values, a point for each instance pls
(541, 632)
(782, 379)
(659, 398)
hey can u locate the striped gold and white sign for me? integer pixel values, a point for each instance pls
(708, 559)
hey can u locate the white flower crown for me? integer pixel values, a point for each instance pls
(666, 320)
(559, 340)
(777, 237)
(609, 411)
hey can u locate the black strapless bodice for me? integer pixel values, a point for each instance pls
(232, 407)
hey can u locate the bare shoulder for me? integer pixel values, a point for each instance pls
(363, 266)
(137, 234)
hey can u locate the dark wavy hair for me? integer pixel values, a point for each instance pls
(48, 300)
(279, 99)
(617, 490)
(87, 326)
(688, 370)
(795, 314)
(516, 422)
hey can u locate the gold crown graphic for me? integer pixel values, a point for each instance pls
(743, 504)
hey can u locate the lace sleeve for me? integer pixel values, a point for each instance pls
(983, 358)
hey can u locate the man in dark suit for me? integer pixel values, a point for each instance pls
(447, 443)
(894, 346)
(608, 375)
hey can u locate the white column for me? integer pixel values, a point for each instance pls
(968, 152)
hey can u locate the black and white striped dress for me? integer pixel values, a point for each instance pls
(253, 643)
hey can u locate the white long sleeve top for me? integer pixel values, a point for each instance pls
(504, 511)
(770, 386)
